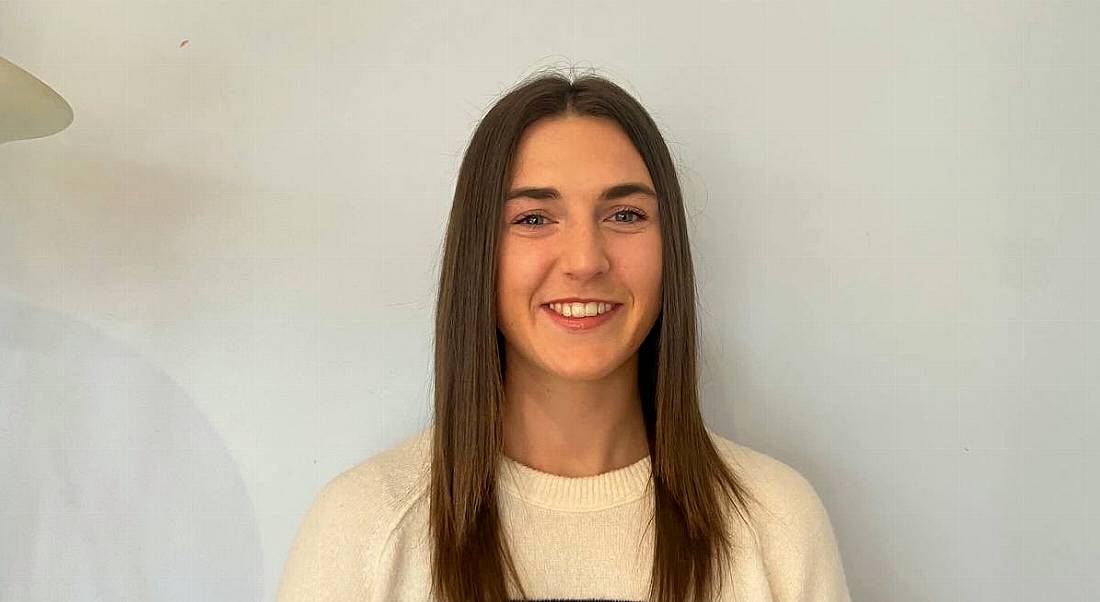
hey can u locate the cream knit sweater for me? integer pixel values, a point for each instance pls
(365, 537)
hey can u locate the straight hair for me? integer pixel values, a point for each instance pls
(694, 489)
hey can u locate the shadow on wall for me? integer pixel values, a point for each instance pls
(115, 486)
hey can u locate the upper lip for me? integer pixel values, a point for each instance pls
(579, 300)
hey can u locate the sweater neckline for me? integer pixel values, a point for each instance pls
(595, 492)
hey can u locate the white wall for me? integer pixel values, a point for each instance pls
(216, 285)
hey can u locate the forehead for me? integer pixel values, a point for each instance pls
(577, 153)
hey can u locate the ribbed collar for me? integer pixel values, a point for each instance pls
(595, 492)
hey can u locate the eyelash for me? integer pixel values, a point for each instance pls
(641, 218)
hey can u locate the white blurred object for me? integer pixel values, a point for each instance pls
(28, 107)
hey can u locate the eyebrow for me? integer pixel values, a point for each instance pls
(617, 191)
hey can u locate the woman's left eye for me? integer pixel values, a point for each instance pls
(639, 217)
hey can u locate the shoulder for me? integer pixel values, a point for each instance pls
(794, 534)
(790, 502)
(391, 479)
(386, 484)
(350, 520)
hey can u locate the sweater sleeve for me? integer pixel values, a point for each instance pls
(800, 548)
(819, 562)
(331, 558)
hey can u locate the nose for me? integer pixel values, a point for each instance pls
(583, 254)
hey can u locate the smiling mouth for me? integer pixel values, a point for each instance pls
(562, 309)
(585, 323)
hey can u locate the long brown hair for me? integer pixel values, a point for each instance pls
(689, 477)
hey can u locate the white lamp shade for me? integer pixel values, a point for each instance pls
(28, 107)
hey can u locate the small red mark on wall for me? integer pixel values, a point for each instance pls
(183, 43)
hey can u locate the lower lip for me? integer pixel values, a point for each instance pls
(587, 323)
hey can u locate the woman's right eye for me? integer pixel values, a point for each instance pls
(521, 220)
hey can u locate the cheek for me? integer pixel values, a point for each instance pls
(645, 269)
(517, 278)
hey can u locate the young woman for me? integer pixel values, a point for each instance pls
(567, 458)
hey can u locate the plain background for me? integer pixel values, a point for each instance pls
(217, 285)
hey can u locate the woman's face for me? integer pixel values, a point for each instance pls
(573, 243)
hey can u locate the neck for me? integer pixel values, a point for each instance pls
(574, 428)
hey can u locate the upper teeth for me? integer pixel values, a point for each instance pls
(581, 309)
